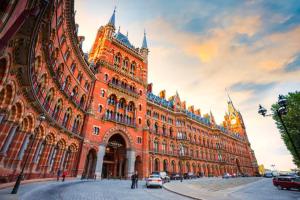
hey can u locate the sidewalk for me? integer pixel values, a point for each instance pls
(208, 188)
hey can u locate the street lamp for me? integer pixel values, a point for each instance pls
(181, 154)
(282, 110)
(20, 177)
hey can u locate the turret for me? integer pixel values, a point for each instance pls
(144, 49)
(110, 28)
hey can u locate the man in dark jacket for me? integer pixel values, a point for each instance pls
(132, 181)
(136, 179)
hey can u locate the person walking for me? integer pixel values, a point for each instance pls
(136, 179)
(132, 181)
(58, 174)
(64, 176)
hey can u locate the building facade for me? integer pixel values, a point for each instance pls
(102, 119)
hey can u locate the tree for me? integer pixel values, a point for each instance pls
(292, 122)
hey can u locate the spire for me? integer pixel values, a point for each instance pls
(112, 18)
(144, 45)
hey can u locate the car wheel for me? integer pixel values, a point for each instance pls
(279, 187)
(160, 187)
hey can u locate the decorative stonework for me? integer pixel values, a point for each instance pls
(123, 132)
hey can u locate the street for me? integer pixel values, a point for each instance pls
(207, 188)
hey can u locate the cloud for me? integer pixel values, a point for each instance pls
(255, 87)
(294, 64)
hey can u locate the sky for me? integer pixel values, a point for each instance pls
(199, 48)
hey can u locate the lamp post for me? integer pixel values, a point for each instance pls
(282, 110)
(181, 154)
(20, 176)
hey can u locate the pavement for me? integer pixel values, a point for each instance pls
(249, 188)
(205, 188)
(89, 190)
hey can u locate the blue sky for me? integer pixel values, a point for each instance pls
(199, 48)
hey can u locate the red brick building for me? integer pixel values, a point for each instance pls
(101, 115)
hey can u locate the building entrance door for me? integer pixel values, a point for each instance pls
(114, 162)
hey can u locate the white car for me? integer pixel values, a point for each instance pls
(154, 181)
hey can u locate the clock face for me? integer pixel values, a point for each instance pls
(233, 121)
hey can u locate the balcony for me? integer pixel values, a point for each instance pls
(124, 89)
(56, 116)
(119, 120)
(61, 84)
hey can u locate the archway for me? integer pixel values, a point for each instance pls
(90, 164)
(114, 161)
(165, 165)
(138, 166)
(156, 165)
(238, 166)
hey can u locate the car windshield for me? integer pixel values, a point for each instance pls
(154, 176)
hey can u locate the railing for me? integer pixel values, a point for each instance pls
(123, 87)
(60, 80)
(41, 95)
(120, 120)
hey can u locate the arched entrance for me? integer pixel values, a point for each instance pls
(114, 161)
(238, 166)
(138, 166)
(90, 164)
(165, 166)
(156, 165)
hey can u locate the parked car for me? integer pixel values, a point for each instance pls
(154, 181)
(287, 182)
(175, 176)
(268, 175)
(226, 175)
(164, 176)
(189, 175)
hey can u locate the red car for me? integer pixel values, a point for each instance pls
(287, 182)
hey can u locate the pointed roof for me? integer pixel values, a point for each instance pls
(112, 18)
(144, 45)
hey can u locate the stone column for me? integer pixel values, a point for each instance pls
(131, 160)
(99, 164)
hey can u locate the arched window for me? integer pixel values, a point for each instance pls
(106, 77)
(125, 64)
(156, 127)
(73, 67)
(76, 124)
(164, 130)
(57, 109)
(67, 117)
(132, 68)
(82, 101)
(156, 146)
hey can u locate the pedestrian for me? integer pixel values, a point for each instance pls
(136, 179)
(181, 177)
(58, 174)
(64, 175)
(132, 181)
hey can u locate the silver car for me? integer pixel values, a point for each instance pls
(154, 181)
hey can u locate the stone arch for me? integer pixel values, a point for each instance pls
(165, 165)
(16, 112)
(173, 166)
(50, 138)
(7, 95)
(156, 163)
(62, 144)
(121, 131)
(90, 164)
(4, 68)
(138, 166)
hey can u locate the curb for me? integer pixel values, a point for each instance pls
(184, 195)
